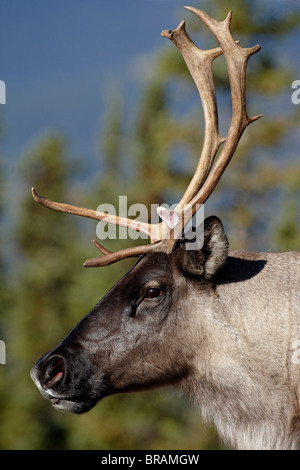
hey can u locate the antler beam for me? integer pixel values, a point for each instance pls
(199, 63)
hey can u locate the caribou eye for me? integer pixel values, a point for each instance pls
(152, 293)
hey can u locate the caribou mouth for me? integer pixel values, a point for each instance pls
(54, 401)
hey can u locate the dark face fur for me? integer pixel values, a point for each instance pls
(134, 338)
(119, 346)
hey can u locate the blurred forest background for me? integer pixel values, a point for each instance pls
(44, 289)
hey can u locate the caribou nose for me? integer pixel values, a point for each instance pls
(54, 370)
(49, 372)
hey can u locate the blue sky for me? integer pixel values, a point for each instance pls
(61, 59)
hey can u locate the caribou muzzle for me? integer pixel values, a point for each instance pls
(66, 379)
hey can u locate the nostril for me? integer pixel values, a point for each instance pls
(54, 371)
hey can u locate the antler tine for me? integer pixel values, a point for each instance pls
(154, 231)
(92, 214)
(111, 257)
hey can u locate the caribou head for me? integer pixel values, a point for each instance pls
(216, 324)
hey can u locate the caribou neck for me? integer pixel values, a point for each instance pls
(243, 323)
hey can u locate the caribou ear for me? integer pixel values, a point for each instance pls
(207, 260)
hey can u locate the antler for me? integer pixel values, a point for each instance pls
(199, 63)
(236, 59)
(206, 177)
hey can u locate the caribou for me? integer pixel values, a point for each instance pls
(221, 326)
